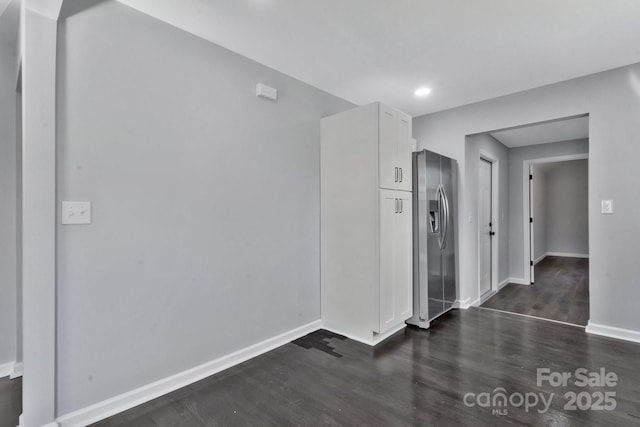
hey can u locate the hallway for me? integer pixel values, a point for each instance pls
(560, 292)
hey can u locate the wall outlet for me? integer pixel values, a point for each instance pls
(76, 213)
(606, 207)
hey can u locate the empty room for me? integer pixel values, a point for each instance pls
(279, 212)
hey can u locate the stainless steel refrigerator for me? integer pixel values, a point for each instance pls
(434, 228)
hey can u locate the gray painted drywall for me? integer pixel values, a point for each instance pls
(205, 233)
(8, 197)
(612, 100)
(517, 156)
(539, 192)
(567, 208)
(476, 145)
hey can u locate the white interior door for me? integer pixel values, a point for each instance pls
(531, 225)
(484, 226)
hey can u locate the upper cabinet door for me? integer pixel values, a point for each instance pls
(389, 173)
(403, 151)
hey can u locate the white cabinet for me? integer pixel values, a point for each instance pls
(366, 222)
(395, 297)
(394, 151)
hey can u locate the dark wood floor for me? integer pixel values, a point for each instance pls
(560, 292)
(415, 378)
(10, 401)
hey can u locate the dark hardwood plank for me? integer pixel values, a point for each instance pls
(10, 401)
(560, 292)
(416, 377)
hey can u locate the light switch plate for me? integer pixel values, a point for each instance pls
(76, 213)
(606, 207)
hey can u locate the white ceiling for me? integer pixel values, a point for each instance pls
(382, 50)
(562, 130)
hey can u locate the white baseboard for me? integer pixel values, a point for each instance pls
(613, 332)
(475, 303)
(504, 283)
(128, 400)
(567, 254)
(51, 424)
(518, 281)
(18, 370)
(6, 369)
(378, 338)
(462, 304)
(486, 296)
(540, 258)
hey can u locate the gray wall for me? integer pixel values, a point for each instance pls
(567, 202)
(8, 199)
(517, 156)
(539, 192)
(205, 234)
(486, 144)
(612, 100)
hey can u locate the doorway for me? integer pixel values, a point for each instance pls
(556, 217)
(487, 198)
(549, 210)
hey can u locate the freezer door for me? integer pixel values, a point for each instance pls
(449, 174)
(435, 218)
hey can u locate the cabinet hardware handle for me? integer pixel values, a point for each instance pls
(400, 174)
(396, 174)
(400, 203)
(396, 201)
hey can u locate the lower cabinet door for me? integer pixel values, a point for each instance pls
(395, 294)
(389, 208)
(403, 259)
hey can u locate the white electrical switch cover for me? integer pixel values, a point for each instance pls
(606, 207)
(76, 212)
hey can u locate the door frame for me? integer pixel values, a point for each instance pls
(495, 224)
(526, 206)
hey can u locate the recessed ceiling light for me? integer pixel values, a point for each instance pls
(423, 91)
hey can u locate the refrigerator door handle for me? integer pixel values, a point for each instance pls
(396, 174)
(446, 220)
(441, 218)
